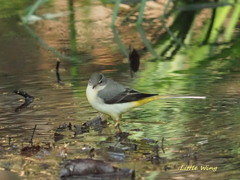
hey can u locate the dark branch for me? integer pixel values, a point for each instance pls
(58, 74)
(162, 146)
(34, 129)
(28, 99)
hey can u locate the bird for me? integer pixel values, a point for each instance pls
(112, 98)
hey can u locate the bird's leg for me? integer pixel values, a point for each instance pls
(117, 124)
(103, 116)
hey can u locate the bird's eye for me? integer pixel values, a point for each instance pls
(99, 82)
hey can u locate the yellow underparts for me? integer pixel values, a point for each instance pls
(146, 100)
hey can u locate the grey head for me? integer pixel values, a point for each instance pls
(97, 79)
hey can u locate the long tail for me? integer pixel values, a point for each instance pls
(152, 98)
(181, 97)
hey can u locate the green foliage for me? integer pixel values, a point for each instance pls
(199, 6)
(12, 8)
(107, 1)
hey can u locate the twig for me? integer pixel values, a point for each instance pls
(115, 12)
(34, 129)
(146, 42)
(58, 74)
(9, 140)
(28, 99)
(162, 147)
(24, 94)
(32, 9)
(141, 11)
(213, 18)
(119, 42)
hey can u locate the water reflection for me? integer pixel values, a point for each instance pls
(195, 132)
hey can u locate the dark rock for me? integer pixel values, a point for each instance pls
(30, 150)
(81, 129)
(89, 168)
(122, 136)
(58, 136)
(116, 156)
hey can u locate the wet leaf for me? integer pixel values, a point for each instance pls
(58, 136)
(30, 150)
(81, 129)
(97, 123)
(64, 126)
(134, 59)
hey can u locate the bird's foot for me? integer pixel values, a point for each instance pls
(117, 126)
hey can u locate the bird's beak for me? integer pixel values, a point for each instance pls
(94, 86)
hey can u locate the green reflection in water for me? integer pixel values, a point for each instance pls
(73, 32)
(209, 127)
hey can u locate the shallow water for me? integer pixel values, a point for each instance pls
(195, 132)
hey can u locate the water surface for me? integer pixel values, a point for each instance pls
(195, 132)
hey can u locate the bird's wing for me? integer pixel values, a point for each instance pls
(129, 95)
(117, 93)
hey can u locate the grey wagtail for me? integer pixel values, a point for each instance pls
(113, 99)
